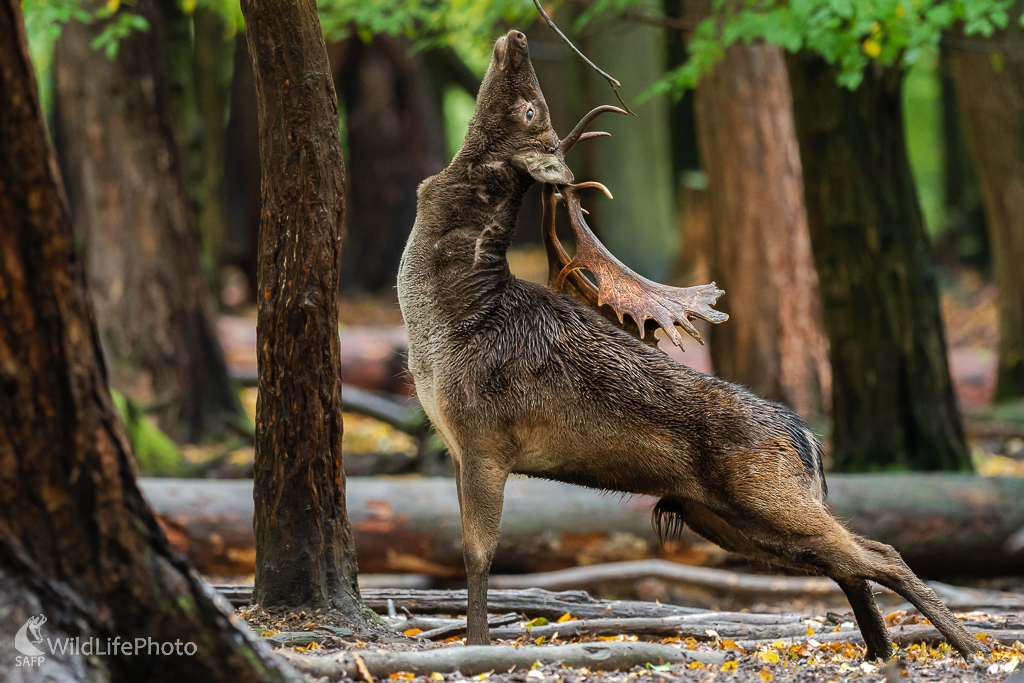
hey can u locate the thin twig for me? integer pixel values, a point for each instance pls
(614, 83)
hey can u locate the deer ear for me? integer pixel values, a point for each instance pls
(544, 166)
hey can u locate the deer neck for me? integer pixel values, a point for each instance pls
(466, 222)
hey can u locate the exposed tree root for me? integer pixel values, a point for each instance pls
(474, 660)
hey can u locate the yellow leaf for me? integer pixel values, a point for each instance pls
(313, 645)
(731, 645)
(871, 47)
(413, 631)
(729, 666)
(810, 631)
(436, 676)
(768, 656)
(539, 641)
(766, 675)
(112, 5)
(188, 6)
(539, 621)
(778, 644)
(564, 618)
(981, 636)
(900, 12)
(696, 665)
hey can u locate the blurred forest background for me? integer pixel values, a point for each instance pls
(850, 173)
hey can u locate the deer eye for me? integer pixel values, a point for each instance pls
(529, 114)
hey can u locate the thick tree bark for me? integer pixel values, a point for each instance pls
(893, 403)
(395, 140)
(77, 540)
(989, 78)
(775, 341)
(133, 214)
(305, 555)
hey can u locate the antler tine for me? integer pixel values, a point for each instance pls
(577, 133)
(591, 185)
(618, 287)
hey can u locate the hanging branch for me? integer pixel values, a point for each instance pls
(614, 83)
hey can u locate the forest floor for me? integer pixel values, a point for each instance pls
(802, 660)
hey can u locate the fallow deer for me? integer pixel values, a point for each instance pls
(521, 378)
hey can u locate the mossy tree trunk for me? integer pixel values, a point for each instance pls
(78, 543)
(775, 340)
(989, 78)
(134, 216)
(893, 404)
(305, 554)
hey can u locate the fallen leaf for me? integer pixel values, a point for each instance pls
(766, 675)
(731, 645)
(729, 666)
(413, 631)
(539, 621)
(564, 618)
(768, 656)
(436, 676)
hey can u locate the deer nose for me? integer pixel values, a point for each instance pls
(520, 38)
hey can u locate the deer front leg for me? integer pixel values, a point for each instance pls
(481, 496)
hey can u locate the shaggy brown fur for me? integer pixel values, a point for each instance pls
(518, 378)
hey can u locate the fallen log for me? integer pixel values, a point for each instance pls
(537, 602)
(533, 602)
(704, 577)
(660, 628)
(940, 523)
(473, 660)
(903, 636)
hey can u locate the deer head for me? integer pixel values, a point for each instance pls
(511, 122)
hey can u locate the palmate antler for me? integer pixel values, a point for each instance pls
(620, 292)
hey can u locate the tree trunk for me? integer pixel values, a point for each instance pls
(77, 541)
(305, 555)
(210, 62)
(775, 341)
(134, 216)
(395, 140)
(990, 98)
(893, 405)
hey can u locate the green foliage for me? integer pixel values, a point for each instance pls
(121, 25)
(155, 452)
(465, 25)
(847, 33)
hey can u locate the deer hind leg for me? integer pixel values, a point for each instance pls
(481, 487)
(813, 540)
(890, 571)
(869, 619)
